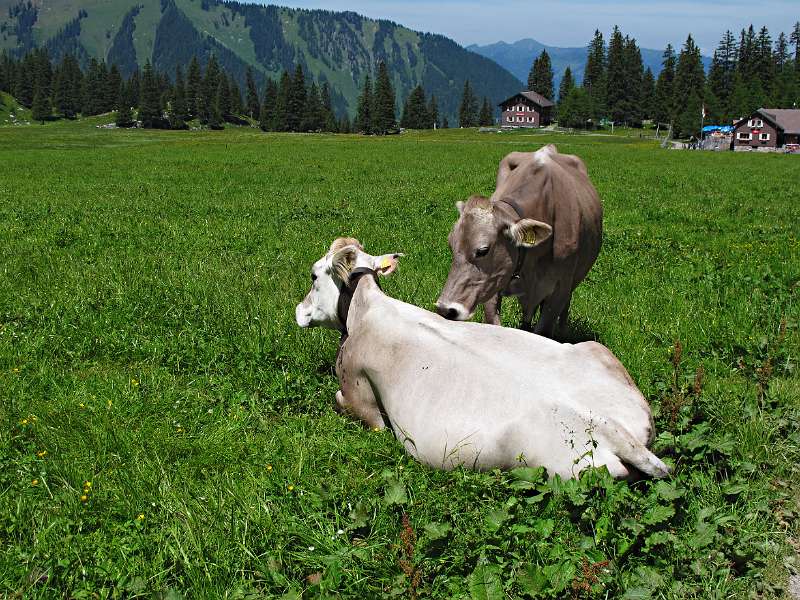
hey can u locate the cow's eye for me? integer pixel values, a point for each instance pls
(313, 277)
(481, 252)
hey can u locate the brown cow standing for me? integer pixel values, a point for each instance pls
(536, 238)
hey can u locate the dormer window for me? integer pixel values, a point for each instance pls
(755, 123)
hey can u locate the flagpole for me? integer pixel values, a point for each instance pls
(702, 121)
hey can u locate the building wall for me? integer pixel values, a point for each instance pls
(755, 140)
(529, 115)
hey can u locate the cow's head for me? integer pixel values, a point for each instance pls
(330, 274)
(485, 241)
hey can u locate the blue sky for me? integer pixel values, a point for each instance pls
(653, 23)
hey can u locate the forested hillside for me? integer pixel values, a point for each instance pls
(338, 48)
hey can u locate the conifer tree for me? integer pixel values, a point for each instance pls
(794, 38)
(486, 116)
(210, 88)
(665, 88)
(575, 109)
(689, 86)
(634, 76)
(648, 94)
(112, 88)
(594, 75)
(150, 105)
(468, 110)
(384, 117)
(363, 121)
(223, 99)
(415, 111)
(67, 87)
(253, 105)
(237, 108)
(282, 102)
(179, 112)
(433, 112)
(194, 85)
(24, 80)
(567, 83)
(540, 78)
(329, 118)
(720, 75)
(41, 109)
(314, 115)
(134, 87)
(267, 115)
(124, 114)
(616, 77)
(297, 100)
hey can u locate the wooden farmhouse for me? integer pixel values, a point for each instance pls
(768, 129)
(526, 109)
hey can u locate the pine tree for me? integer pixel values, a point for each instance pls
(253, 105)
(575, 108)
(363, 122)
(689, 87)
(124, 115)
(486, 116)
(150, 105)
(41, 109)
(314, 116)
(282, 102)
(795, 40)
(209, 91)
(415, 111)
(468, 110)
(567, 83)
(194, 86)
(720, 75)
(433, 113)
(540, 79)
(329, 119)
(616, 78)
(113, 86)
(594, 75)
(384, 119)
(634, 78)
(135, 87)
(266, 117)
(648, 94)
(665, 88)
(237, 109)
(297, 100)
(24, 80)
(764, 61)
(223, 99)
(179, 112)
(67, 87)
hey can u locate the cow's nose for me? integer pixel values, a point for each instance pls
(451, 314)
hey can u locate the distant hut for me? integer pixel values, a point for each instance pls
(526, 109)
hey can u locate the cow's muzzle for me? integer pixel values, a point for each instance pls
(453, 311)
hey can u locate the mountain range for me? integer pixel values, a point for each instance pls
(338, 47)
(518, 57)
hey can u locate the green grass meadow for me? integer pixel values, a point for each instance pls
(167, 431)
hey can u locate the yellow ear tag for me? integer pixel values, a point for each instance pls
(386, 263)
(529, 237)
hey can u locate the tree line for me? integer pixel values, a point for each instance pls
(745, 74)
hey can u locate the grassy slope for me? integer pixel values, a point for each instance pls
(9, 106)
(146, 322)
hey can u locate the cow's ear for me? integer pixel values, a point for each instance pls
(528, 233)
(343, 261)
(460, 207)
(386, 264)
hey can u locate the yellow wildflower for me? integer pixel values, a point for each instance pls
(84, 498)
(87, 484)
(290, 487)
(376, 429)
(269, 467)
(35, 482)
(140, 517)
(42, 453)
(23, 422)
(81, 405)
(134, 383)
(16, 370)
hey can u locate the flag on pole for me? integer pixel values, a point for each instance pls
(704, 111)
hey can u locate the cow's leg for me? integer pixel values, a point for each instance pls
(563, 318)
(552, 307)
(491, 310)
(357, 400)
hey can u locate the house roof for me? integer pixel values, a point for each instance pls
(532, 96)
(785, 119)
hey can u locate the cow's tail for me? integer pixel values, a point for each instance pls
(635, 453)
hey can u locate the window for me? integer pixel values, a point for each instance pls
(755, 123)
(510, 119)
(745, 137)
(530, 119)
(764, 137)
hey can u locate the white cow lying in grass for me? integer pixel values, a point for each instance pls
(481, 396)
